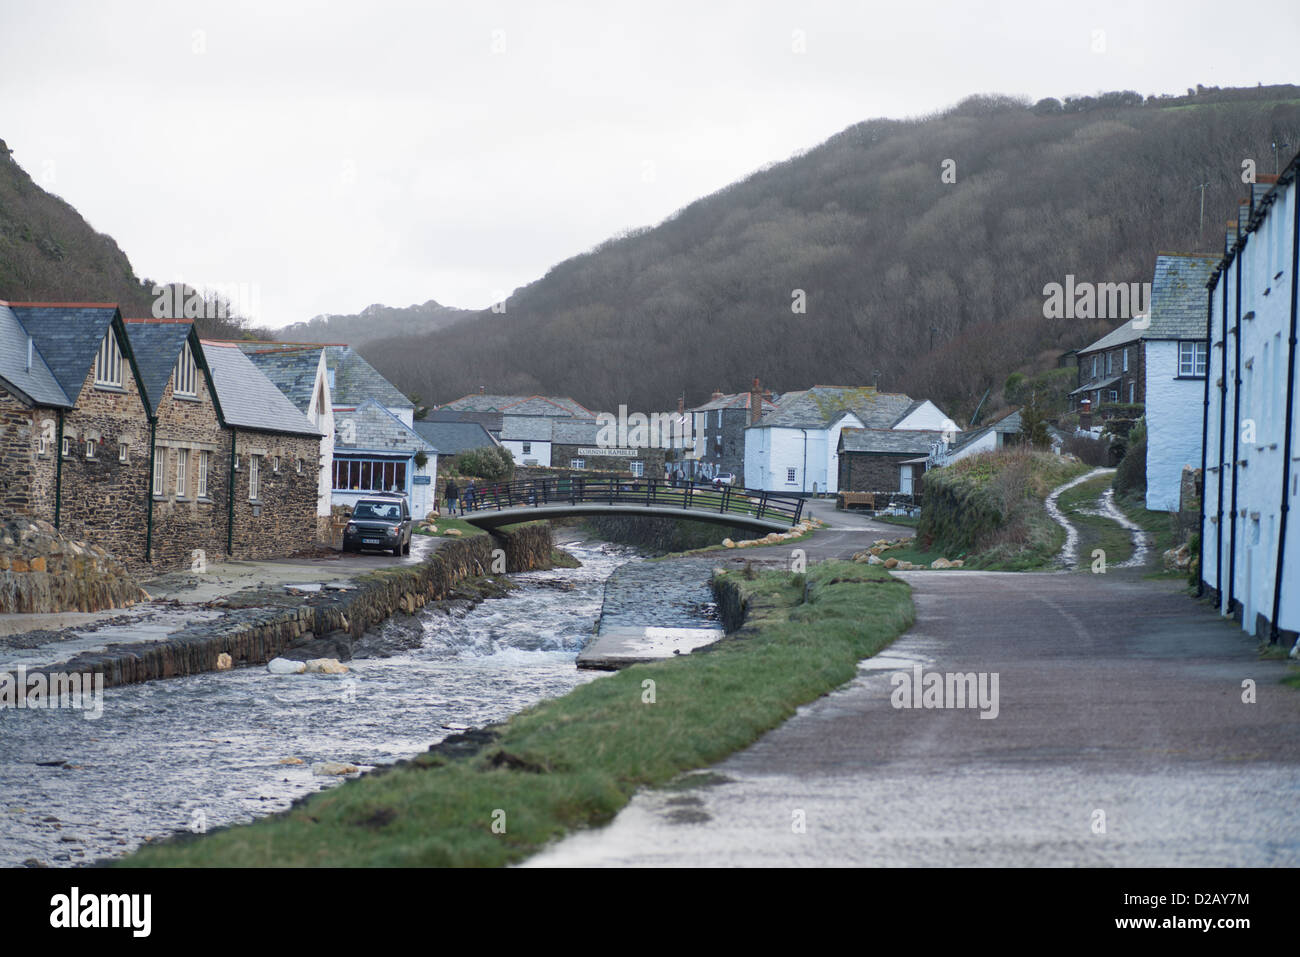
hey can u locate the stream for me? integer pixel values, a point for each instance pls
(206, 750)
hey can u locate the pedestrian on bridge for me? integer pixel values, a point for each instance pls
(452, 493)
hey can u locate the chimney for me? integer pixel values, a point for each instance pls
(1085, 413)
(716, 395)
(681, 404)
(755, 402)
(481, 390)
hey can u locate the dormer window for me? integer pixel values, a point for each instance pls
(185, 377)
(108, 363)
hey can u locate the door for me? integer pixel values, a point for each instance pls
(905, 479)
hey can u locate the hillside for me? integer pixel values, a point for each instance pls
(890, 258)
(374, 322)
(48, 252)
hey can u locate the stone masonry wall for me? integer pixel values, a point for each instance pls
(27, 474)
(287, 497)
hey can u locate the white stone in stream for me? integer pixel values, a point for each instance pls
(333, 769)
(875, 560)
(325, 666)
(283, 666)
(224, 662)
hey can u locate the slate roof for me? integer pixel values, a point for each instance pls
(526, 428)
(1117, 337)
(1178, 301)
(292, 369)
(452, 438)
(377, 430)
(820, 406)
(1008, 424)
(156, 344)
(38, 383)
(248, 399)
(889, 441)
(1094, 386)
(488, 420)
(736, 400)
(68, 337)
(575, 432)
(356, 380)
(519, 405)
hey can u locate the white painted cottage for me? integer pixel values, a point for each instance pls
(794, 448)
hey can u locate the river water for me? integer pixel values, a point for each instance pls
(206, 750)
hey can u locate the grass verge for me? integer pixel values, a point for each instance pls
(1095, 531)
(575, 761)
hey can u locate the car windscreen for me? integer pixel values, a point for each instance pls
(388, 513)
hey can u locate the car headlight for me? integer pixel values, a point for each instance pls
(351, 528)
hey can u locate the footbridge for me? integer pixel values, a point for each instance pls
(490, 505)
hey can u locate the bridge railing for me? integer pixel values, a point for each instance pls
(755, 503)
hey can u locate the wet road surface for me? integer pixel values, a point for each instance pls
(1121, 738)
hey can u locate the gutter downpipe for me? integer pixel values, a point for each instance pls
(58, 472)
(1236, 430)
(230, 494)
(1290, 409)
(148, 491)
(1205, 434)
(804, 473)
(1223, 415)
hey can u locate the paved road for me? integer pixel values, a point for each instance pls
(1119, 697)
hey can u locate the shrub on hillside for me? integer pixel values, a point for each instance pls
(1131, 474)
(1088, 449)
(494, 464)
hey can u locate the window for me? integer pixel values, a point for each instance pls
(638, 468)
(254, 461)
(182, 473)
(298, 464)
(719, 418)
(90, 448)
(369, 475)
(528, 448)
(1132, 392)
(1192, 359)
(185, 377)
(577, 463)
(275, 464)
(1095, 367)
(1125, 365)
(66, 451)
(108, 364)
(159, 461)
(42, 446)
(1110, 363)
(789, 476)
(1112, 394)
(123, 452)
(203, 474)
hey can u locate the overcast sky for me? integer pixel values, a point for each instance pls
(333, 155)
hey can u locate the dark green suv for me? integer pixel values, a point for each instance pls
(379, 521)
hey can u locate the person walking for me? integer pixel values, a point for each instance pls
(452, 493)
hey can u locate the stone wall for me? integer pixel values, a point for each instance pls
(876, 472)
(27, 473)
(286, 497)
(41, 571)
(253, 636)
(103, 498)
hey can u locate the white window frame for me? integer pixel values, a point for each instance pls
(123, 452)
(42, 446)
(66, 451)
(108, 362)
(185, 375)
(182, 473)
(90, 449)
(254, 477)
(1124, 364)
(1095, 366)
(791, 475)
(1193, 359)
(204, 463)
(637, 468)
(527, 448)
(299, 464)
(159, 467)
(275, 464)
(577, 463)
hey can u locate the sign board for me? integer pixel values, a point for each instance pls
(420, 480)
(619, 453)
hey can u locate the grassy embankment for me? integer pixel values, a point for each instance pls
(1095, 531)
(575, 761)
(988, 511)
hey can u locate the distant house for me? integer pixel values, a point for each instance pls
(376, 455)
(884, 460)
(576, 444)
(1175, 358)
(795, 447)
(524, 420)
(528, 437)
(1110, 369)
(998, 434)
(720, 423)
(1250, 536)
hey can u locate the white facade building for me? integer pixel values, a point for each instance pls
(1250, 552)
